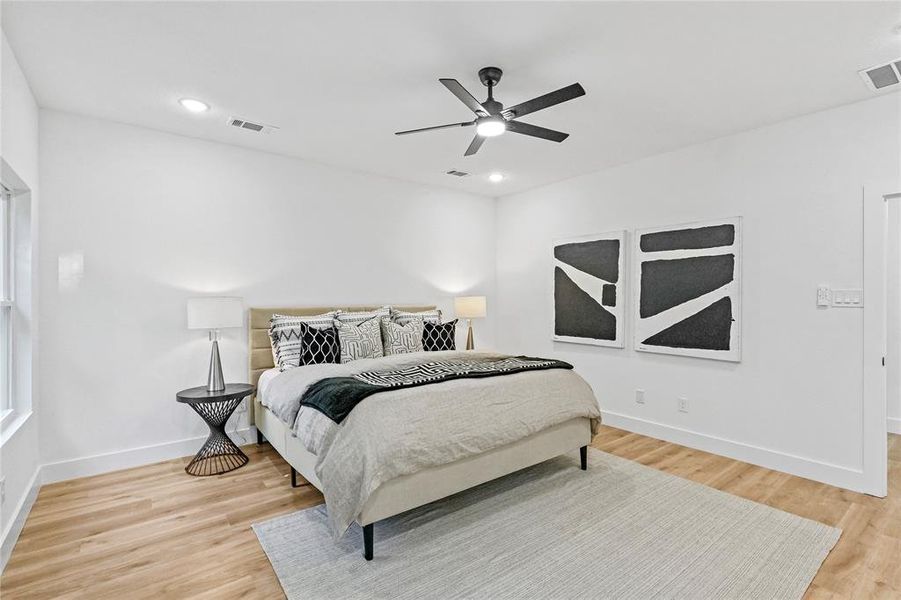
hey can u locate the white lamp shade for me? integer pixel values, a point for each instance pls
(215, 313)
(470, 307)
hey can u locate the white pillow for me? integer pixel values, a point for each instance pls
(429, 316)
(356, 317)
(359, 341)
(402, 339)
(285, 338)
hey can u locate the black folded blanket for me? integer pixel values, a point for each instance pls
(335, 397)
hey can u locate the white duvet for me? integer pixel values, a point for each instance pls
(402, 431)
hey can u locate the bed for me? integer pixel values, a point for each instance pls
(409, 490)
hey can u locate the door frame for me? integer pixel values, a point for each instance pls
(875, 423)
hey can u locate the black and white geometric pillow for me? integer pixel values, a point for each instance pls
(355, 317)
(318, 346)
(428, 316)
(439, 337)
(284, 336)
(402, 339)
(359, 341)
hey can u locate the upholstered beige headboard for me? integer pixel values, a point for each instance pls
(259, 351)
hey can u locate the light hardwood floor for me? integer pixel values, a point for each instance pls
(154, 532)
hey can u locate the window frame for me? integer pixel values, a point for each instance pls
(7, 307)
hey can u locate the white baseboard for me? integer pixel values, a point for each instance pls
(134, 457)
(15, 525)
(894, 425)
(839, 476)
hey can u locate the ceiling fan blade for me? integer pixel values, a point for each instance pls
(536, 131)
(466, 124)
(465, 97)
(541, 102)
(474, 146)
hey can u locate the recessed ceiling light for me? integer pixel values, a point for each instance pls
(496, 177)
(195, 106)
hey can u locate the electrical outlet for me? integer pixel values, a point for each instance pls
(683, 404)
(639, 396)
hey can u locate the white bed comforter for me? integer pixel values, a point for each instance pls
(402, 431)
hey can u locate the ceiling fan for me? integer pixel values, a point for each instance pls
(493, 119)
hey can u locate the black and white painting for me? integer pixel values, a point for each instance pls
(588, 290)
(688, 289)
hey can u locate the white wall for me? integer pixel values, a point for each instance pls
(159, 218)
(794, 402)
(19, 454)
(893, 314)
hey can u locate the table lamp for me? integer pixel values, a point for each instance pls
(469, 308)
(215, 314)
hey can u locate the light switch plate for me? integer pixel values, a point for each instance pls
(847, 298)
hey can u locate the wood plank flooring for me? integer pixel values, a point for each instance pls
(154, 532)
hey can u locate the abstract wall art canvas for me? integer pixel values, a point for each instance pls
(589, 291)
(688, 290)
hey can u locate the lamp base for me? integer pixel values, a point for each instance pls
(215, 381)
(469, 343)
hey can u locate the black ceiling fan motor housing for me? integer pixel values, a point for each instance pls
(490, 76)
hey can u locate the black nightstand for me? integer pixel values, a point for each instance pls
(219, 454)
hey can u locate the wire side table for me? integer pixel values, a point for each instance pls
(219, 454)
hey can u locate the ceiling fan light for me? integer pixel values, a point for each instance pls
(491, 126)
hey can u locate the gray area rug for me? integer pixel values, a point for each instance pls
(619, 530)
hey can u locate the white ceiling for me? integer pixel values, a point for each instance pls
(339, 78)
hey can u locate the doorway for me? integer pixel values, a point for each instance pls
(876, 231)
(893, 315)
(893, 338)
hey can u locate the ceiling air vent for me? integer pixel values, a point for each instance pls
(250, 125)
(881, 77)
(457, 173)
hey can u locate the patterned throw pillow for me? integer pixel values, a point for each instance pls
(284, 336)
(319, 346)
(355, 317)
(402, 339)
(359, 341)
(403, 317)
(440, 337)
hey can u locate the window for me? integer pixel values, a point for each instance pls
(6, 303)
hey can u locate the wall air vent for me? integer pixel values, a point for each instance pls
(457, 173)
(250, 125)
(882, 77)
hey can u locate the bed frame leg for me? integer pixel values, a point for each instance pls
(583, 455)
(260, 438)
(294, 478)
(367, 541)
